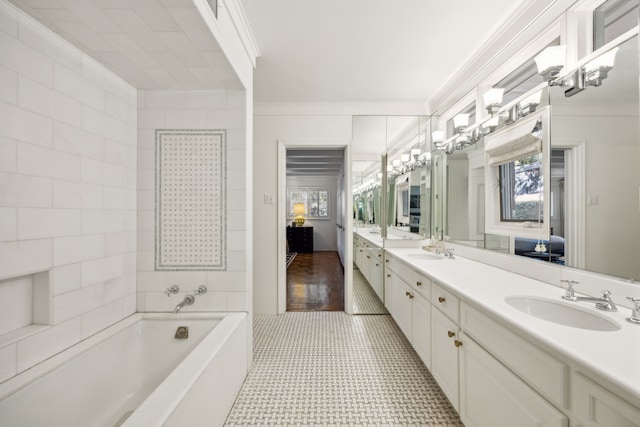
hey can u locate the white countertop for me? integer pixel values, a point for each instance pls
(369, 233)
(613, 355)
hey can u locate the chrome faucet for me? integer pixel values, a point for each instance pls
(449, 253)
(188, 300)
(604, 303)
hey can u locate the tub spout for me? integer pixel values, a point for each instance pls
(188, 300)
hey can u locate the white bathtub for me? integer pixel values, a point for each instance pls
(136, 373)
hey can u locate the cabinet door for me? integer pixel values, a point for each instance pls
(421, 328)
(595, 406)
(376, 272)
(492, 396)
(401, 295)
(388, 289)
(444, 355)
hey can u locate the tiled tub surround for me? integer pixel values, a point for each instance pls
(193, 110)
(111, 379)
(67, 188)
(584, 357)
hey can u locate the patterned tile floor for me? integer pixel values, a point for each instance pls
(332, 369)
(365, 300)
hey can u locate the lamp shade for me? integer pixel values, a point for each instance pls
(437, 136)
(493, 96)
(461, 120)
(605, 60)
(298, 209)
(552, 58)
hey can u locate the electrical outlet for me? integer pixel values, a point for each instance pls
(268, 199)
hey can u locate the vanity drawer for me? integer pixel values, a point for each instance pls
(446, 302)
(548, 375)
(401, 269)
(421, 284)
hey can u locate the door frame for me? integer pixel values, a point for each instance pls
(283, 146)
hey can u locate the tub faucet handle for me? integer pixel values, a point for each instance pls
(172, 290)
(201, 290)
(635, 311)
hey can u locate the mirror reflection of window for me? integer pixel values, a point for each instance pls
(612, 19)
(521, 189)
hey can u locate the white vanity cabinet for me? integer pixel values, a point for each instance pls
(492, 396)
(595, 406)
(445, 342)
(407, 300)
(368, 258)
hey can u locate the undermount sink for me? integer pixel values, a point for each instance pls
(561, 313)
(426, 255)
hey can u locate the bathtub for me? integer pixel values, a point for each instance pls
(135, 373)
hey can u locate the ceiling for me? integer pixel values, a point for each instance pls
(366, 51)
(152, 44)
(314, 162)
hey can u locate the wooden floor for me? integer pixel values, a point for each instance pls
(315, 282)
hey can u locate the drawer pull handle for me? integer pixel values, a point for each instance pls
(380, 255)
(457, 343)
(409, 294)
(418, 283)
(388, 275)
(360, 250)
(368, 256)
(377, 264)
(441, 299)
(451, 334)
(386, 260)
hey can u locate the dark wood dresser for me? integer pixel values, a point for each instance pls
(300, 239)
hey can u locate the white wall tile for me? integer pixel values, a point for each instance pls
(151, 119)
(41, 99)
(146, 261)
(19, 57)
(67, 194)
(39, 223)
(165, 99)
(39, 347)
(8, 155)
(97, 172)
(120, 154)
(66, 278)
(237, 301)
(40, 38)
(152, 281)
(146, 179)
(77, 141)
(225, 119)
(115, 198)
(66, 306)
(24, 257)
(17, 314)
(186, 119)
(8, 362)
(236, 240)
(146, 220)
(236, 260)
(102, 269)
(9, 19)
(8, 224)
(119, 243)
(25, 191)
(42, 161)
(102, 221)
(101, 124)
(8, 86)
(236, 99)
(23, 125)
(101, 318)
(91, 297)
(71, 84)
(115, 289)
(68, 250)
(207, 99)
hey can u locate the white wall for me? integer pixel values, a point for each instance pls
(324, 230)
(67, 186)
(227, 290)
(268, 129)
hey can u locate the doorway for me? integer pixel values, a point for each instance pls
(313, 176)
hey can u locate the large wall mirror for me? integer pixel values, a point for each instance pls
(592, 193)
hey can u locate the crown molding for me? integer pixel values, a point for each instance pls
(533, 17)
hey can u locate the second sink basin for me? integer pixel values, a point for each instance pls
(561, 313)
(426, 255)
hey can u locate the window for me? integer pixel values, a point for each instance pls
(612, 19)
(316, 201)
(521, 189)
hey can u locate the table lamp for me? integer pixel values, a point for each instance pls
(299, 209)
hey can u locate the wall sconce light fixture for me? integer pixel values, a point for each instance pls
(299, 210)
(415, 153)
(529, 104)
(404, 158)
(550, 61)
(493, 99)
(598, 69)
(460, 122)
(490, 125)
